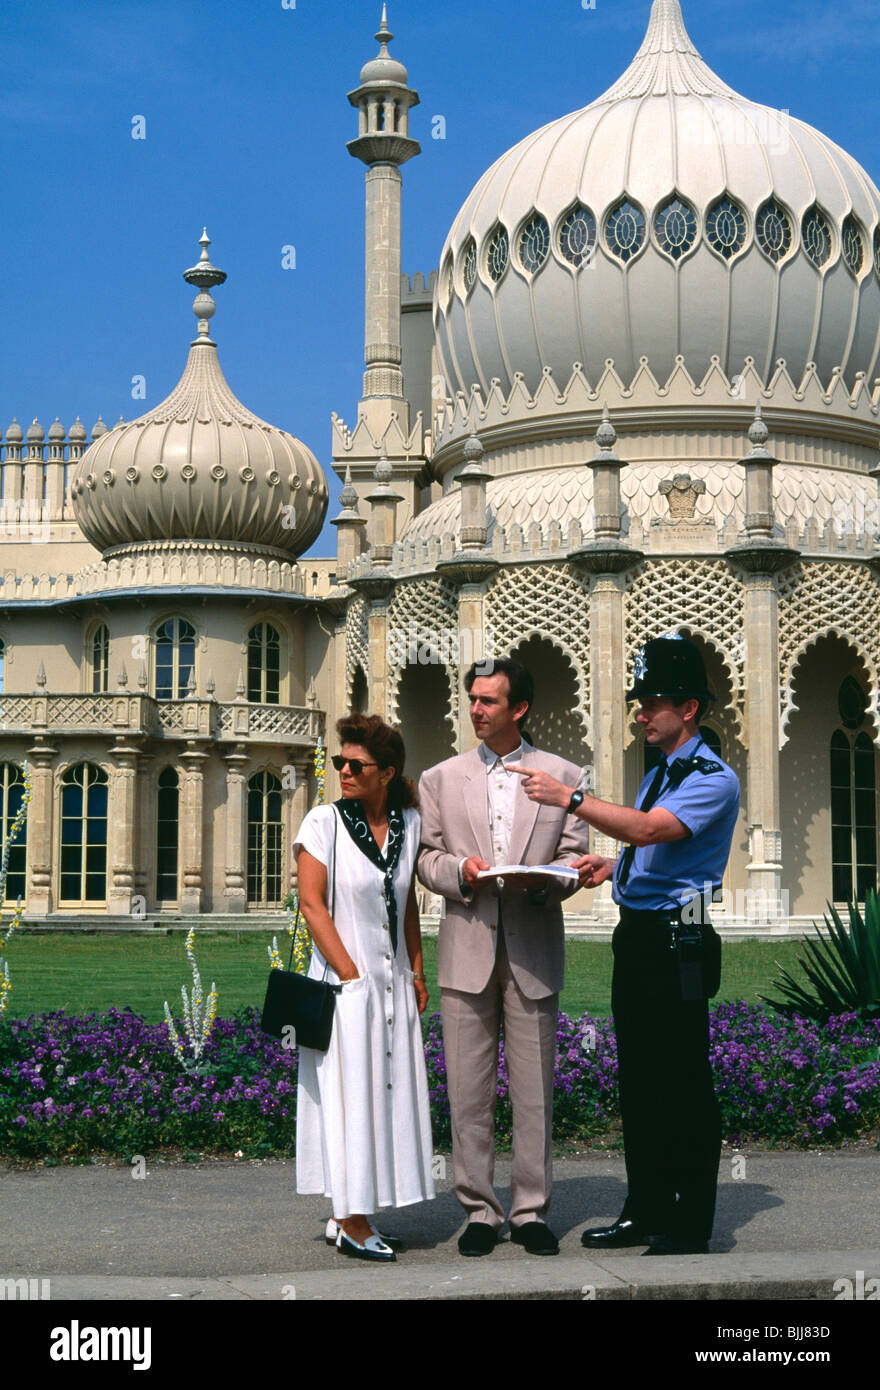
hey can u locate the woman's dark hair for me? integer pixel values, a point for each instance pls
(385, 745)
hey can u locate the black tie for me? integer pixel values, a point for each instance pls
(651, 795)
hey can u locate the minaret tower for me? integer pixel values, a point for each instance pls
(383, 100)
(389, 426)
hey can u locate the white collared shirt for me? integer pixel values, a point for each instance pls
(502, 798)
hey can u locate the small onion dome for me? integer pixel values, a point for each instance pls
(56, 432)
(35, 434)
(99, 428)
(200, 465)
(383, 68)
(77, 432)
(14, 434)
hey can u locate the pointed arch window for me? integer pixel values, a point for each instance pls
(264, 664)
(726, 228)
(100, 660)
(852, 245)
(877, 252)
(167, 835)
(625, 231)
(853, 799)
(84, 792)
(534, 243)
(675, 227)
(11, 793)
(469, 265)
(774, 232)
(264, 840)
(577, 236)
(175, 658)
(816, 236)
(497, 254)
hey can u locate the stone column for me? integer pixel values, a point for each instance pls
(121, 828)
(607, 558)
(145, 832)
(299, 801)
(40, 887)
(761, 557)
(235, 890)
(192, 826)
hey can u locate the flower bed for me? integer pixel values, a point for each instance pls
(110, 1084)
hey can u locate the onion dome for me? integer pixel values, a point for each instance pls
(200, 466)
(671, 217)
(99, 428)
(383, 68)
(56, 432)
(14, 434)
(35, 434)
(77, 432)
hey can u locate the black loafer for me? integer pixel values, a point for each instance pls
(614, 1237)
(535, 1238)
(674, 1245)
(477, 1238)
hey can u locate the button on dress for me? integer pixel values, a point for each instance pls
(363, 1128)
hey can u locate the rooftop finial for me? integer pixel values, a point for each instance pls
(384, 35)
(204, 276)
(667, 62)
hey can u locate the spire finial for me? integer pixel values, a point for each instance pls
(204, 276)
(384, 36)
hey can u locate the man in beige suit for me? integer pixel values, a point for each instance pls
(501, 951)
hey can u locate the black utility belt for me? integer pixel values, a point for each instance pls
(693, 946)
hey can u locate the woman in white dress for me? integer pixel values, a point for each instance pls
(363, 1131)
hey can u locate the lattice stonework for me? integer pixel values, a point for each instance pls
(356, 644)
(818, 598)
(704, 596)
(549, 601)
(423, 616)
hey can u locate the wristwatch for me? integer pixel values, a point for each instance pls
(576, 799)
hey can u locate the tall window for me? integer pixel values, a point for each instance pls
(2, 664)
(11, 792)
(175, 658)
(264, 839)
(167, 837)
(853, 799)
(264, 664)
(84, 834)
(100, 660)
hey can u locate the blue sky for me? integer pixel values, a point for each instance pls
(246, 121)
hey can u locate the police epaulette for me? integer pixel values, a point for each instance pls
(707, 765)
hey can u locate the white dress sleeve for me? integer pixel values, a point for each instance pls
(316, 834)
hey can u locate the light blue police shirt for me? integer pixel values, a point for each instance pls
(666, 876)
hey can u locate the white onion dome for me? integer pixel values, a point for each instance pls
(77, 432)
(200, 466)
(383, 68)
(35, 434)
(56, 432)
(14, 433)
(669, 217)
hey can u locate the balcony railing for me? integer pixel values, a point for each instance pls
(120, 713)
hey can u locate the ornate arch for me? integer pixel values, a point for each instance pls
(701, 597)
(550, 602)
(357, 644)
(824, 598)
(423, 618)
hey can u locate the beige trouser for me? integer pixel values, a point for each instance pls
(471, 1025)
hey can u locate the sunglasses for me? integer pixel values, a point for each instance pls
(354, 764)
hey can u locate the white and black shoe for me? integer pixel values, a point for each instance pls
(373, 1248)
(332, 1230)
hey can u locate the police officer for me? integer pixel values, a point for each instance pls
(667, 955)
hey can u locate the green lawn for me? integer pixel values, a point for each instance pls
(82, 973)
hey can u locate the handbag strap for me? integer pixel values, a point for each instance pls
(296, 920)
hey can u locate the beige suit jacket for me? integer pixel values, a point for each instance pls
(454, 799)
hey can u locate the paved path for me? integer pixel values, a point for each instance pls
(789, 1225)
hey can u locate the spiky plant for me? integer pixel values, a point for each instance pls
(843, 968)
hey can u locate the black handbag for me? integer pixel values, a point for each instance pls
(299, 1010)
